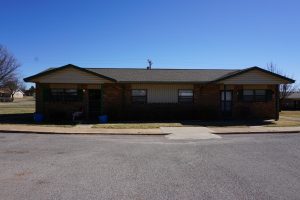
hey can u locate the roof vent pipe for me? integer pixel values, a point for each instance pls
(149, 64)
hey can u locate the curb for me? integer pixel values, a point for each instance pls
(83, 133)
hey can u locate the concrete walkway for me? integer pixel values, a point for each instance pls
(181, 133)
(254, 129)
(175, 132)
(81, 129)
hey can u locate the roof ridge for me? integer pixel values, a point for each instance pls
(158, 68)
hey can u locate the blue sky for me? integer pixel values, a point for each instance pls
(174, 34)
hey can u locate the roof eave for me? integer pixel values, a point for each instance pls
(253, 68)
(30, 78)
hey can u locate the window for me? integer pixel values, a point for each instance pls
(260, 95)
(226, 101)
(57, 94)
(248, 95)
(257, 95)
(185, 96)
(65, 95)
(139, 96)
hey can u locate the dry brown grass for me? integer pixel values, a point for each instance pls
(18, 106)
(292, 113)
(284, 123)
(136, 125)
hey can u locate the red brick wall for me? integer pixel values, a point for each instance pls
(207, 100)
(117, 104)
(39, 98)
(254, 110)
(115, 98)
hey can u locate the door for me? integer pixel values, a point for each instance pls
(226, 103)
(94, 102)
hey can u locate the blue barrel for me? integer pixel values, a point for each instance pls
(103, 119)
(37, 117)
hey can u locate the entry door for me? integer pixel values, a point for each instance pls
(94, 103)
(226, 103)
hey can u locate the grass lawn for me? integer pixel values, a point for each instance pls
(283, 123)
(136, 125)
(25, 105)
(20, 111)
(291, 113)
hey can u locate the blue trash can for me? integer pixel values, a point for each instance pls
(103, 119)
(38, 117)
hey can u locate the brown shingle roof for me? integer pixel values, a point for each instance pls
(159, 75)
(162, 75)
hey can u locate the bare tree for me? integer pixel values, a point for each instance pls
(285, 89)
(12, 86)
(8, 66)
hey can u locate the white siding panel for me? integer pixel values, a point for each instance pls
(71, 75)
(162, 93)
(254, 77)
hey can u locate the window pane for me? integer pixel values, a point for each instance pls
(138, 92)
(185, 100)
(248, 98)
(260, 92)
(57, 91)
(248, 92)
(71, 91)
(139, 99)
(260, 97)
(185, 93)
(228, 96)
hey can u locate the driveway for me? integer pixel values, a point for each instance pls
(149, 167)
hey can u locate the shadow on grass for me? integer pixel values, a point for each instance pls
(215, 123)
(28, 119)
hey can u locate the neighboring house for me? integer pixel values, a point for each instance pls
(18, 94)
(158, 94)
(291, 102)
(5, 95)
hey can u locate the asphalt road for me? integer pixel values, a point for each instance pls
(144, 167)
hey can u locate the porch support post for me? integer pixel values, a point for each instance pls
(223, 101)
(277, 102)
(85, 100)
(225, 88)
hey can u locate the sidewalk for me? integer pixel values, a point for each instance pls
(76, 130)
(254, 129)
(87, 129)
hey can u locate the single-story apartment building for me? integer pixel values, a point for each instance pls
(158, 94)
(291, 102)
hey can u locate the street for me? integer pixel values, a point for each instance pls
(36, 166)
